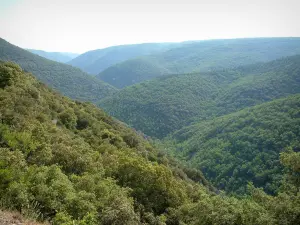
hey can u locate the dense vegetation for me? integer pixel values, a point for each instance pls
(200, 56)
(55, 56)
(230, 150)
(163, 105)
(70, 163)
(244, 146)
(68, 80)
(69, 159)
(96, 61)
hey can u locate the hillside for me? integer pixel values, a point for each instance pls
(96, 61)
(243, 146)
(68, 80)
(70, 160)
(69, 163)
(163, 105)
(55, 56)
(200, 56)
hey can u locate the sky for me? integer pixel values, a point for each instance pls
(83, 25)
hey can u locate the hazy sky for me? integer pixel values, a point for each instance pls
(79, 26)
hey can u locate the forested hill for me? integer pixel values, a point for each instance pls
(163, 105)
(69, 160)
(244, 146)
(200, 56)
(69, 163)
(68, 80)
(55, 56)
(96, 61)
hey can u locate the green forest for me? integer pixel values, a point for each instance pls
(244, 146)
(166, 104)
(188, 133)
(70, 163)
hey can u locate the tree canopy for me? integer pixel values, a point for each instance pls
(163, 105)
(70, 163)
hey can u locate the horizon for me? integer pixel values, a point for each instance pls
(75, 27)
(151, 43)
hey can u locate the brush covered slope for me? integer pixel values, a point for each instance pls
(71, 160)
(200, 56)
(164, 105)
(70, 163)
(70, 81)
(96, 61)
(242, 147)
(55, 56)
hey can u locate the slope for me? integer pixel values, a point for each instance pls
(70, 163)
(200, 56)
(163, 105)
(244, 146)
(95, 61)
(55, 56)
(68, 80)
(69, 160)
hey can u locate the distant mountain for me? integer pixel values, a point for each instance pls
(199, 56)
(244, 146)
(55, 56)
(69, 80)
(95, 61)
(165, 104)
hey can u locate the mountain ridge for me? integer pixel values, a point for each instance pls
(69, 80)
(95, 61)
(62, 57)
(200, 56)
(162, 105)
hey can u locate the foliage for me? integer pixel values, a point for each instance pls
(166, 104)
(244, 146)
(199, 56)
(70, 81)
(102, 172)
(72, 162)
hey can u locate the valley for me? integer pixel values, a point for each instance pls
(200, 132)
